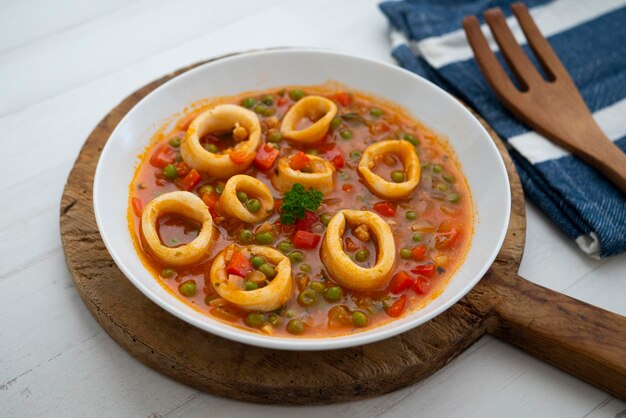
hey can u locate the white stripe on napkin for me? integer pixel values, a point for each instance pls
(551, 18)
(537, 148)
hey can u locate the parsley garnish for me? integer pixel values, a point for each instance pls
(297, 201)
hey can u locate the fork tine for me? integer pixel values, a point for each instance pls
(487, 62)
(548, 60)
(523, 69)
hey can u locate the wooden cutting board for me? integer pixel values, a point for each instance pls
(581, 339)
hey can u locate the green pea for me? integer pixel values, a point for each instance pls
(296, 257)
(274, 319)
(306, 268)
(333, 293)
(246, 236)
(212, 148)
(219, 188)
(359, 319)
(268, 270)
(334, 124)
(285, 247)
(448, 177)
(274, 136)
(166, 273)
(307, 297)
(206, 188)
(254, 319)
(264, 238)
(257, 261)
(188, 288)
(268, 100)
(251, 285)
(170, 172)
(253, 205)
(346, 134)
(175, 142)
(362, 255)
(248, 102)
(242, 196)
(325, 218)
(295, 326)
(453, 197)
(356, 154)
(411, 215)
(437, 168)
(405, 253)
(376, 112)
(398, 176)
(443, 187)
(318, 287)
(416, 237)
(411, 138)
(270, 111)
(260, 108)
(296, 94)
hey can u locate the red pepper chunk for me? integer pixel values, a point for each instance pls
(397, 307)
(299, 161)
(419, 252)
(190, 181)
(305, 240)
(239, 265)
(424, 270)
(137, 206)
(385, 208)
(400, 281)
(163, 156)
(421, 286)
(343, 98)
(338, 161)
(447, 240)
(266, 157)
(310, 219)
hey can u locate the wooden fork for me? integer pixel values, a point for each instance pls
(553, 108)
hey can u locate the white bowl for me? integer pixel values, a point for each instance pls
(481, 163)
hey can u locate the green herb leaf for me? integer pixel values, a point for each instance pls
(297, 201)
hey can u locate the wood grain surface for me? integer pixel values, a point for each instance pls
(226, 368)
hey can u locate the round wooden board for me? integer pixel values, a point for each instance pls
(223, 367)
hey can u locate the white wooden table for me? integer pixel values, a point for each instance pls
(63, 66)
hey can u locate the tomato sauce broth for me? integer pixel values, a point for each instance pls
(432, 227)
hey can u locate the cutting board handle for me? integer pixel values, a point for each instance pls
(584, 340)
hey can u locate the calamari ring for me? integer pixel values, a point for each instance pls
(318, 108)
(341, 268)
(230, 204)
(185, 204)
(265, 299)
(222, 118)
(383, 188)
(322, 178)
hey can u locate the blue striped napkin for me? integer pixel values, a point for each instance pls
(590, 39)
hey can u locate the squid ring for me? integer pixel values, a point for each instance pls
(185, 204)
(322, 177)
(317, 108)
(222, 118)
(341, 268)
(386, 189)
(265, 299)
(230, 204)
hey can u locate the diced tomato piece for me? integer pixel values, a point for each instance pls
(421, 286)
(305, 240)
(266, 157)
(162, 156)
(299, 161)
(190, 181)
(338, 161)
(211, 199)
(424, 269)
(445, 241)
(239, 156)
(281, 101)
(278, 203)
(239, 265)
(400, 281)
(348, 188)
(397, 307)
(343, 98)
(385, 208)
(310, 219)
(419, 252)
(137, 205)
(182, 169)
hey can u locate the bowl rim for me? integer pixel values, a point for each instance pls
(230, 332)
